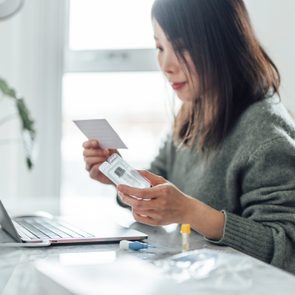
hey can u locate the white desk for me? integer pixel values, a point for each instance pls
(18, 274)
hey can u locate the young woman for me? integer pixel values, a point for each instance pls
(228, 167)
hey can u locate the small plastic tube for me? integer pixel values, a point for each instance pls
(133, 245)
(185, 233)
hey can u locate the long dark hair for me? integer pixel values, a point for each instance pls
(233, 69)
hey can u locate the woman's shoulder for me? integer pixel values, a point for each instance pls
(266, 119)
(269, 107)
(262, 124)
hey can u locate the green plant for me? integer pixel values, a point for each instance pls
(28, 129)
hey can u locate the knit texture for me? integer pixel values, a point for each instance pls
(251, 177)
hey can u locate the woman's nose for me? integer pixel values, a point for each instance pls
(170, 63)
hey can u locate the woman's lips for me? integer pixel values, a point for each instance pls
(178, 86)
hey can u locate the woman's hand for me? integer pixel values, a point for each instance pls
(164, 203)
(94, 156)
(161, 204)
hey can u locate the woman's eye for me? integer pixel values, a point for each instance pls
(159, 48)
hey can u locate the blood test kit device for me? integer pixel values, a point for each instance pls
(120, 172)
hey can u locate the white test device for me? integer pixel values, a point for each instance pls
(120, 172)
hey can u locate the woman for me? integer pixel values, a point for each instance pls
(228, 168)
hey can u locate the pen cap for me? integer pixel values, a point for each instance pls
(185, 229)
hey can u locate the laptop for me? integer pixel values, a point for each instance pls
(52, 231)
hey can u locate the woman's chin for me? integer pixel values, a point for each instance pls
(184, 98)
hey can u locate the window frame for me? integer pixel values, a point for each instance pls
(107, 60)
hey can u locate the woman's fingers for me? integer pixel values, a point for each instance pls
(93, 171)
(91, 161)
(142, 193)
(136, 203)
(113, 151)
(94, 160)
(146, 219)
(158, 205)
(157, 191)
(94, 156)
(96, 152)
(89, 144)
(153, 178)
(148, 213)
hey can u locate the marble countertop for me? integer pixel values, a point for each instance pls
(18, 273)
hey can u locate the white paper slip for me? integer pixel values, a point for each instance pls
(102, 131)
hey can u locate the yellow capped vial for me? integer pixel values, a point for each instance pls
(185, 232)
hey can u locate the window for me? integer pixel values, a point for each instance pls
(111, 73)
(111, 24)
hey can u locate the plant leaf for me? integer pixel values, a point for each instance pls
(6, 90)
(28, 142)
(29, 163)
(24, 114)
(28, 129)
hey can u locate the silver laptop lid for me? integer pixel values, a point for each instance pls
(7, 225)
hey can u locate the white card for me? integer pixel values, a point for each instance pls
(102, 131)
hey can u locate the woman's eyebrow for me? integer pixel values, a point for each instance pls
(156, 38)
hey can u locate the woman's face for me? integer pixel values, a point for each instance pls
(184, 84)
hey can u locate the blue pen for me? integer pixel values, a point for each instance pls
(133, 245)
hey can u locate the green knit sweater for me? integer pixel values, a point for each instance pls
(251, 177)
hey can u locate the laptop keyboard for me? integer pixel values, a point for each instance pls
(44, 229)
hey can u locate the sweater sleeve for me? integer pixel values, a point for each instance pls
(265, 228)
